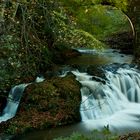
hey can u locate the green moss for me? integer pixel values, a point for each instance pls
(75, 4)
(121, 4)
(105, 134)
(49, 103)
(102, 21)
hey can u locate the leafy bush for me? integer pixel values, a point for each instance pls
(121, 4)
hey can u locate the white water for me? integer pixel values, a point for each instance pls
(111, 55)
(12, 102)
(115, 104)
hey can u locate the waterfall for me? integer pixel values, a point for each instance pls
(115, 104)
(13, 101)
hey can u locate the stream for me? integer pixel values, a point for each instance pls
(113, 101)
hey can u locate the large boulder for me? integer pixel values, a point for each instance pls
(60, 56)
(98, 73)
(50, 103)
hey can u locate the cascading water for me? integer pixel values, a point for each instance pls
(115, 103)
(13, 101)
(112, 101)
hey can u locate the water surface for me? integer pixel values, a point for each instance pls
(94, 57)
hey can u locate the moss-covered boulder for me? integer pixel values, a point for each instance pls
(60, 56)
(47, 104)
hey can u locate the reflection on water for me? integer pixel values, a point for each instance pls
(54, 133)
(93, 57)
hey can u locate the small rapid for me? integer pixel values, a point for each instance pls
(111, 99)
(115, 103)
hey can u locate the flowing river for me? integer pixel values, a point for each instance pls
(115, 104)
(112, 101)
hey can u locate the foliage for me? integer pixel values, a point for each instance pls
(78, 38)
(102, 21)
(121, 4)
(73, 5)
(100, 18)
(68, 35)
(31, 29)
(21, 35)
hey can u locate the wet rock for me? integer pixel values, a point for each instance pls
(115, 66)
(69, 53)
(98, 79)
(3, 101)
(122, 40)
(96, 71)
(130, 136)
(61, 56)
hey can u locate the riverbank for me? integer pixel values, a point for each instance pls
(104, 135)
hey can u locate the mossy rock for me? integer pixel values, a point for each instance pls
(123, 41)
(47, 104)
(60, 56)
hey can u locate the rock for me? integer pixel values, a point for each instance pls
(47, 104)
(60, 56)
(3, 101)
(122, 40)
(96, 71)
(130, 136)
(70, 53)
